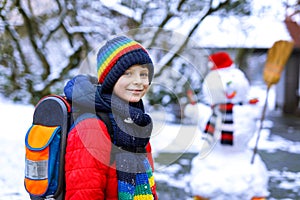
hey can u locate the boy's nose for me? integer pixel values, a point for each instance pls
(137, 79)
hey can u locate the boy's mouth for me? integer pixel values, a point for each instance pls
(136, 90)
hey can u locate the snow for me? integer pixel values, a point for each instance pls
(216, 164)
(173, 138)
(15, 120)
(253, 32)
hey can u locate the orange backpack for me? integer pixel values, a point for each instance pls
(45, 144)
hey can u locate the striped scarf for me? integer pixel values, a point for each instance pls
(134, 172)
(132, 129)
(135, 181)
(226, 111)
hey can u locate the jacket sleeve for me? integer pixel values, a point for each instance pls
(87, 160)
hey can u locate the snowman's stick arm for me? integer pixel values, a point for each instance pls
(261, 124)
(190, 96)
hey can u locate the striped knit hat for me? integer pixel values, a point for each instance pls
(116, 56)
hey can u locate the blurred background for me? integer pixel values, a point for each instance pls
(45, 43)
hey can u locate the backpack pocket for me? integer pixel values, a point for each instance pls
(42, 144)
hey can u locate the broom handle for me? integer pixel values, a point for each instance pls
(261, 124)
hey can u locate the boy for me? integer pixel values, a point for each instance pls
(100, 166)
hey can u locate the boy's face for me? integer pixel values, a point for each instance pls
(133, 84)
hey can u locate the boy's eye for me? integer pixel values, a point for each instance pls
(144, 74)
(127, 73)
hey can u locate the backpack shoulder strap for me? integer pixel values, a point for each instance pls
(105, 118)
(102, 115)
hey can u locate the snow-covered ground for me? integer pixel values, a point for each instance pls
(167, 138)
(15, 120)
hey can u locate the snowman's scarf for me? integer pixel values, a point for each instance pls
(226, 111)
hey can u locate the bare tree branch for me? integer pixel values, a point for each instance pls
(16, 40)
(74, 59)
(59, 23)
(167, 62)
(79, 26)
(35, 44)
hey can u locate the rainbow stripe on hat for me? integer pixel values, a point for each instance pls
(111, 52)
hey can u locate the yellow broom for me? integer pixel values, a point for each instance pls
(277, 57)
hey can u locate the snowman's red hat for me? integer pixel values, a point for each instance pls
(220, 60)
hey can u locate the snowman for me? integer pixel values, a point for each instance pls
(223, 169)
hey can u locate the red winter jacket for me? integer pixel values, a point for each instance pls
(89, 174)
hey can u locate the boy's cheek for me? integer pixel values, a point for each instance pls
(146, 82)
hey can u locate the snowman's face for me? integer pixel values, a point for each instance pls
(226, 85)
